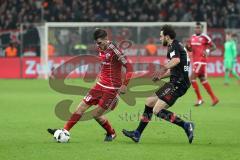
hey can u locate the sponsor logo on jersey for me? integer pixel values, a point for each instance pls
(172, 54)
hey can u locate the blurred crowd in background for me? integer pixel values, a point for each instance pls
(13, 13)
(217, 13)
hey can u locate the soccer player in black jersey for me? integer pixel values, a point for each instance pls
(177, 69)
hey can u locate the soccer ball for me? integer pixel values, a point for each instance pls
(61, 135)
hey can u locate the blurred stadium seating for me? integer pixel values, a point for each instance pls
(217, 13)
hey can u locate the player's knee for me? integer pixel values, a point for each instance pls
(100, 119)
(82, 107)
(80, 111)
(156, 110)
(95, 115)
(202, 79)
(97, 112)
(150, 102)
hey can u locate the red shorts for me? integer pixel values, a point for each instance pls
(200, 69)
(104, 97)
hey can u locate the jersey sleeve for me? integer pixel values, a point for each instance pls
(119, 53)
(121, 57)
(234, 48)
(175, 51)
(208, 40)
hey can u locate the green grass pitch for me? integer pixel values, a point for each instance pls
(27, 110)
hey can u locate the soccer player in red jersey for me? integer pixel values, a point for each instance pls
(104, 93)
(200, 45)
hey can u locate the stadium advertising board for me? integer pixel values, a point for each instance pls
(32, 68)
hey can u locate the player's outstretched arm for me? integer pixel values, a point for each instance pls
(127, 77)
(129, 69)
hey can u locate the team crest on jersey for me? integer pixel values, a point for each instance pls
(108, 55)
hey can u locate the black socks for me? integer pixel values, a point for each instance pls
(169, 116)
(164, 114)
(146, 117)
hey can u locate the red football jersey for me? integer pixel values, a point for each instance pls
(112, 60)
(199, 44)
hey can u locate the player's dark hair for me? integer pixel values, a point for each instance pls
(99, 33)
(199, 24)
(168, 30)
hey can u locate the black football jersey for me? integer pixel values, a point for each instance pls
(179, 73)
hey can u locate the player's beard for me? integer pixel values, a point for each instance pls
(165, 43)
(198, 32)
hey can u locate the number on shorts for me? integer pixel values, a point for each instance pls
(87, 98)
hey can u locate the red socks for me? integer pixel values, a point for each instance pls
(76, 117)
(196, 89)
(107, 126)
(72, 121)
(206, 86)
(209, 89)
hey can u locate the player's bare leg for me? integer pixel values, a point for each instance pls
(82, 107)
(208, 88)
(76, 115)
(193, 78)
(103, 121)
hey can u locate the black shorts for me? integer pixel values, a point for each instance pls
(170, 92)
